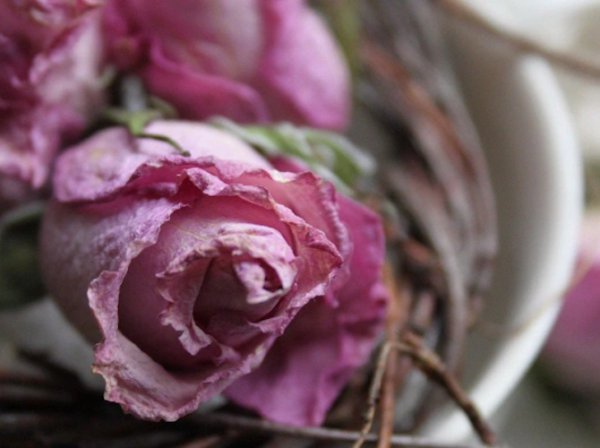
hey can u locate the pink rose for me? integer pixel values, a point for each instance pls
(249, 60)
(572, 352)
(44, 18)
(195, 269)
(49, 82)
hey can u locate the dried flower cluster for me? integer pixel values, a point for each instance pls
(207, 230)
(196, 264)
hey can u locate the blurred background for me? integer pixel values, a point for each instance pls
(558, 403)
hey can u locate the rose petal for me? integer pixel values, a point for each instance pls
(333, 341)
(200, 96)
(116, 157)
(49, 83)
(303, 76)
(572, 351)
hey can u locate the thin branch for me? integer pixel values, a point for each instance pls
(204, 442)
(396, 319)
(374, 393)
(229, 421)
(435, 369)
(459, 10)
(388, 401)
(412, 185)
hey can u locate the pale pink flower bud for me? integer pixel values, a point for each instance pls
(192, 272)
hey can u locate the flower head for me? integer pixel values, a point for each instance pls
(248, 60)
(191, 272)
(49, 69)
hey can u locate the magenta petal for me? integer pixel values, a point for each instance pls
(572, 352)
(98, 239)
(303, 75)
(311, 362)
(49, 83)
(200, 96)
(104, 164)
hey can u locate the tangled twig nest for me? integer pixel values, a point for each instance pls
(52, 408)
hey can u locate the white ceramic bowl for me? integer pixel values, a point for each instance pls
(533, 157)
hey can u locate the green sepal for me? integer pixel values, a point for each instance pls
(136, 120)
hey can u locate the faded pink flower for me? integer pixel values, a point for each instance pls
(50, 54)
(248, 60)
(194, 267)
(572, 352)
(44, 19)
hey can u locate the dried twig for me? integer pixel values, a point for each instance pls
(98, 419)
(430, 363)
(459, 10)
(374, 392)
(435, 369)
(388, 401)
(396, 318)
(317, 433)
(415, 189)
(204, 442)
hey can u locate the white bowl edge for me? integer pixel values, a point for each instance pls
(539, 211)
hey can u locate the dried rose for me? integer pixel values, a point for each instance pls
(249, 60)
(44, 19)
(195, 266)
(572, 352)
(50, 56)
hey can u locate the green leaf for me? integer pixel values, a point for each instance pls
(328, 154)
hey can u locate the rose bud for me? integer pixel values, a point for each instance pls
(572, 352)
(248, 60)
(188, 271)
(50, 57)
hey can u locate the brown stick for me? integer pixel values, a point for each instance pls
(459, 10)
(395, 320)
(374, 393)
(435, 369)
(317, 433)
(204, 442)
